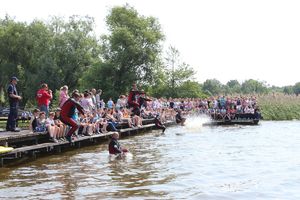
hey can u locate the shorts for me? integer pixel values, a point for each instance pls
(40, 129)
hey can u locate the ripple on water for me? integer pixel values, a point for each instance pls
(239, 162)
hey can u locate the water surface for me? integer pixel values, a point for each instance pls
(193, 162)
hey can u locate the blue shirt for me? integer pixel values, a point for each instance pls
(12, 90)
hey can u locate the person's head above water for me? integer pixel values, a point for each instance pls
(115, 135)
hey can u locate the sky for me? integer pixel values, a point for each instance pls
(226, 40)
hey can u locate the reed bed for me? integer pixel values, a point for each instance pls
(279, 107)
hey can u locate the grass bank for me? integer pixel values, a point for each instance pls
(20, 124)
(280, 107)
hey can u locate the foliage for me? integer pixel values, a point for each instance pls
(296, 88)
(131, 49)
(288, 90)
(212, 87)
(232, 87)
(67, 52)
(253, 87)
(279, 107)
(177, 72)
(56, 53)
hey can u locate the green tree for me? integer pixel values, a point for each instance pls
(131, 48)
(288, 90)
(191, 89)
(254, 86)
(296, 88)
(19, 48)
(233, 86)
(75, 48)
(177, 72)
(212, 87)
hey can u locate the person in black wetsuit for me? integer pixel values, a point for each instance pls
(179, 119)
(114, 146)
(68, 111)
(158, 123)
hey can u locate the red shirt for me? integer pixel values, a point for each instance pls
(43, 97)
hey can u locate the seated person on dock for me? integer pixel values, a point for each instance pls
(58, 123)
(41, 122)
(114, 146)
(53, 129)
(121, 119)
(34, 120)
(179, 119)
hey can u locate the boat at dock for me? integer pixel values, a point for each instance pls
(232, 122)
(237, 119)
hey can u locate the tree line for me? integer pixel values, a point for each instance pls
(69, 52)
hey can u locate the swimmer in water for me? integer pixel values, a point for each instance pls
(114, 146)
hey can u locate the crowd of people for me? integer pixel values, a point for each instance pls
(86, 113)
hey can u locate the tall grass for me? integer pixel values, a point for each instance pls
(279, 107)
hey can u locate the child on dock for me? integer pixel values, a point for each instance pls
(41, 122)
(53, 129)
(34, 120)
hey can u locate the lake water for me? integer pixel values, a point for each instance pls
(192, 162)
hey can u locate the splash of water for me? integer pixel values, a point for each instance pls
(195, 123)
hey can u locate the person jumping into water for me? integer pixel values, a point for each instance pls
(179, 119)
(114, 146)
(68, 111)
(158, 123)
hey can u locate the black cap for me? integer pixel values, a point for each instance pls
(14, 78)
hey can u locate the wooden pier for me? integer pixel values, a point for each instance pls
(29, 145)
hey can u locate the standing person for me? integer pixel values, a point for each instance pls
(14, 99)
(98, 98)
(133, 97)
(133, 100)
(93, 96)
(44, 95)
(63, 95)
(110, 103)
(68, 112)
